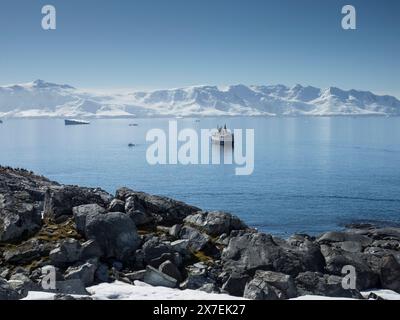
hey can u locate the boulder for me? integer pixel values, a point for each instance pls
(175, 229)
(116, 205)
(156, 278)
(60, 200)
(197, 277)
(337, 236)
(102, 273)
(22, 284)
(90, 249)
(269, 285)
(197, 241)
(315, 283)
(181, 246)
(165, 211)
(336, 259)
(390, 273)
(215, 223)
(258, 290)
(84, 272)
(85, 212)
(170, 269)
(155, 252)
(236, 284)
(7, 292)
(20, 217)
(26, 252)
(385, 234)
(115, 233)
(250, 251)
(67, 253)
(137, 212)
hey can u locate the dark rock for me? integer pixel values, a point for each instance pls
(90, 249)
(22, 284)
(21, 202)
(116, 205)
(181, 246)
(351, 246)
(315, 283)
(197, 240)
(102, 273)
(223, 239)
(390, 273)
(7, 292)
(336, 236)
(259, 290)
(215, 223)
(84, 213)
(60, 200)
(158, 279)
(26, 252)
(387, 244)
(140, 218)
(336, 259)
(165, 211)
(20, 217)
(170, 269)
(248, 252)
(197, 277)
(236, 284)
(117, 265)
(68, 252)
(175, 229)
(269, 285)
(385, 234)
(155, 252)
(115, 233)
(137, 212)
(84, 272)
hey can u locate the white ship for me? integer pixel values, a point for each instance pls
(74, 122)
(223, 136)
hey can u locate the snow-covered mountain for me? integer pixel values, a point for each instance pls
(43, 99)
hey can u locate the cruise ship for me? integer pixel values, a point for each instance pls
(223, 136)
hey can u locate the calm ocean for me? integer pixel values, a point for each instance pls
(311, 174)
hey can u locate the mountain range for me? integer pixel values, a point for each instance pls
(43, 99)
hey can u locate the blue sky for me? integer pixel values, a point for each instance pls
(171, 43)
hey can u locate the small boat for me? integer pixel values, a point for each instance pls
(133, 124)
(74, 122)
(131, 145)
(223, 136)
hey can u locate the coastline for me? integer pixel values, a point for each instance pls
(92, 237)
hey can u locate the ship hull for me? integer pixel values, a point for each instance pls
(75, 122)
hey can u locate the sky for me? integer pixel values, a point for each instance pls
(151, 44)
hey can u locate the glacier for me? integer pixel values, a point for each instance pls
(41, 99)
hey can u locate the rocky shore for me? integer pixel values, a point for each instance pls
(89, 237)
